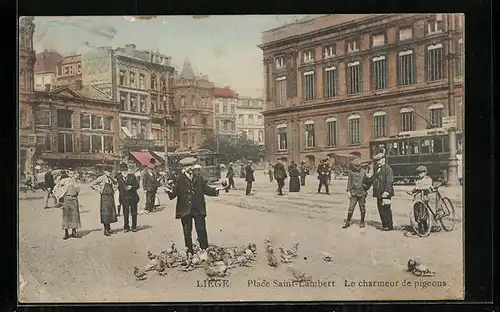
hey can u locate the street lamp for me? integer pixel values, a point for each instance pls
(165, 105)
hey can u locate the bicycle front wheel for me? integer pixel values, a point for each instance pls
(421, 218)
(448, 218)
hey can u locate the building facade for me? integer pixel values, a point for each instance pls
(141, 82)
(77, 126)
(193, 100)
(68, 70)
(27, 58)
(225, 102)
(250, 121)
(45, 69)
(336, 82)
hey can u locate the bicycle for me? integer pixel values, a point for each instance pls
(422, 215)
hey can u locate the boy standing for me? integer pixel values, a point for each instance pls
(356, 190)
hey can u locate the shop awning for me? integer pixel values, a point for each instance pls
(143, 158)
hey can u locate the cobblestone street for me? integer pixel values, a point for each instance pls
(100, 268)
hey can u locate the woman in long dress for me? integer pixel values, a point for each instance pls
(294, 174)
(105, 186)
(67, 190)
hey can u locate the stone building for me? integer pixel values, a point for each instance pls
(141, 82)
(250, 121)
(193, 100)
(27, 58)
(336, 82)
(77, 126)
(45, 69)
(225, 101)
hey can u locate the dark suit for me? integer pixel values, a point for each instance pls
(230, 176)
(150, 183)
(323, 172)
(383, 180)
(249, 178)
(191, 205)
(128, 198)
(280, 176)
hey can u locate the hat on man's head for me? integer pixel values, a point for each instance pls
(421, 169)
(230, 164)
(188, 161)
(197, 166)
(123, 166)
(379, 156)
(356, 162)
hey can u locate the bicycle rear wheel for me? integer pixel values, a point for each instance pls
(421, 218)
(447, 220)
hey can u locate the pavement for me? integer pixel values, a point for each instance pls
(97, 268)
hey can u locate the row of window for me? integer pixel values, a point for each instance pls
(131, 79)
(225, 125)
(226, 108)
(90, 143)
(250, 119)
(136, 128)
(65, 120)
(204, 121)
(434, 24)
(197, 102)
(133, 102)
(250, 134)
(379, 75)
(354, 127)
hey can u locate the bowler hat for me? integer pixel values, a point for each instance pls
(188, 161)
(123, 166)
(197, 166)
(379, 156)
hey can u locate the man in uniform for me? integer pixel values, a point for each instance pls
(249, 178)
(150, 184)
(383, 190)
(323, 172)
(280, 175)
(190, 190)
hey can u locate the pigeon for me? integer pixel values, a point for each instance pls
(140, 273)
(271, 260)
(298, 275)
(418, 269)
(151, 256)
(293, 251)
(210, 271)
(161, 268)
(328, 257)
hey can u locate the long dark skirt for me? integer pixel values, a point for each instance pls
(71, 213)
(108, 209)
(294, 184)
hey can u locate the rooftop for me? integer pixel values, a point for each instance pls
(224, 92)
(46, 61)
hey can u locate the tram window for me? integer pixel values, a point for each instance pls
(404, 148)
(436, 145)
(425, 146)
(414, 147)
(210, 161)
(393, 149)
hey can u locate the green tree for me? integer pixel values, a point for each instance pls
(239, 148)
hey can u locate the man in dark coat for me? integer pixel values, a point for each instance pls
(190, 191)
(383, 190)
(230, 175)
(49, 185)
(280, 175)
(304, 171)
(127, 188)
(150, 184)
(249, 178)
(323, 172)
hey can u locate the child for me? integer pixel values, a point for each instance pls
(356, 190)
(424, 182)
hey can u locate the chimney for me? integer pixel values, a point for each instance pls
(78, 84)
(47, 87)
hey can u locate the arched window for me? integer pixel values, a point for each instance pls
(436, 115)
(354, 127)
(331, 132)
(282, 137)
(309, 130)
(379, 125)
(153, 81)
(407, 119)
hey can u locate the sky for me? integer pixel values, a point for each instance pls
(222, 47)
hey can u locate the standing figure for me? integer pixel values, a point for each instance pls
(270, 171)
(119, 172)
(230, 175)
(323, 171)
(383, 190)
(104, 185)
(249, 178)
(329, 168)
(150, 184)
(294, 174)
(356, 191)
(242, 170)
(280, 175)
(49, 184)
(67, 189)
(29, 182)
(127, 187)
(304, 171)
(190, 191)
